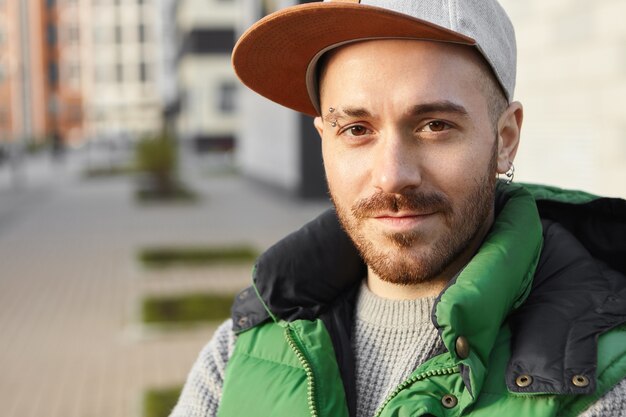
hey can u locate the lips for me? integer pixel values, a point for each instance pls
(404, 221)
(401, 215)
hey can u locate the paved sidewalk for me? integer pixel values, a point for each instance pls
(70, 343)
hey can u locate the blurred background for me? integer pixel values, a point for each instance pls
(139, 180)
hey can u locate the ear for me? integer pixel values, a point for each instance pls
(509, 129)
(318, 122)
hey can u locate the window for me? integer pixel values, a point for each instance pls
(142, 33)
(267, 7)
(227, 97)
(143, 72)
(118, 34)
(51, 31)
(53, 73)
(119, 73)
(202, 41)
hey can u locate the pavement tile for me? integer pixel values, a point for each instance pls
(70, 285)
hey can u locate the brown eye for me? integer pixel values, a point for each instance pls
(437, 126)
(358, 130)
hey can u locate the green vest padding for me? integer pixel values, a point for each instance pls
(265, 377)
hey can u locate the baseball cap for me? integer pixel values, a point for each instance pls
(277, 56)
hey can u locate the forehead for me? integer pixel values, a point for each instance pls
(402, 69)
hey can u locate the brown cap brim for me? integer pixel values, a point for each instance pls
(272, 56)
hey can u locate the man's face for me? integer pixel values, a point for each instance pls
(410, 155)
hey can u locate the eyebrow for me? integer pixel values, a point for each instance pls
(444, 106)
(354, 112)
(438, 107)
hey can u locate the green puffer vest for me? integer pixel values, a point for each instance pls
(533, 325)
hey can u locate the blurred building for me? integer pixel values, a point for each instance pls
(204, 111)
(275, 145)
(119, 56)
(58, 83)
(65, 69)
(167, 68)
(27, 30)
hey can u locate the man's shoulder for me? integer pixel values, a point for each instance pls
(597, 223)
(551, 193)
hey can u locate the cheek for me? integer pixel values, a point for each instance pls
(454, 171)
(346, 173)
(441, 161)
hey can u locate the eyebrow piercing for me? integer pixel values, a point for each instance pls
(334, 122)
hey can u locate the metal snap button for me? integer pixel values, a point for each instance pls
(243, 295)
(462, 347)
(580, 381)
(242, 321)
(449, 401)
(524, 381)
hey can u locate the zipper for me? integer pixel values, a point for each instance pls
(308, 369)
(413, 379)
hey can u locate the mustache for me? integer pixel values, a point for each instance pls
(414, 202)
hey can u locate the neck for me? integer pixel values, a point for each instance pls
(435, 285)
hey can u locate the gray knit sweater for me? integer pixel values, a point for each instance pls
(391, 338)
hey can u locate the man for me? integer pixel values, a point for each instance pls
(432, 288)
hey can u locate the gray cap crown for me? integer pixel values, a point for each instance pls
(485, 21)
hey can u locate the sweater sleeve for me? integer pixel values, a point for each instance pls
(202, 392)
(612, 404)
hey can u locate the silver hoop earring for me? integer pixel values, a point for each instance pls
(510, 174)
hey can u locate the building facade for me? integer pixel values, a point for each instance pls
(24, 79)
(119, 55)
(275, 145)
(207, 113)
(66, 103)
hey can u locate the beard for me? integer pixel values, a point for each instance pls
(407, 258)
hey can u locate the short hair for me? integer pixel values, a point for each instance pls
(497, 102)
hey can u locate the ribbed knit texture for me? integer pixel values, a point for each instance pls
(391, 338)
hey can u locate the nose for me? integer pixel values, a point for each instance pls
(396, 166)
